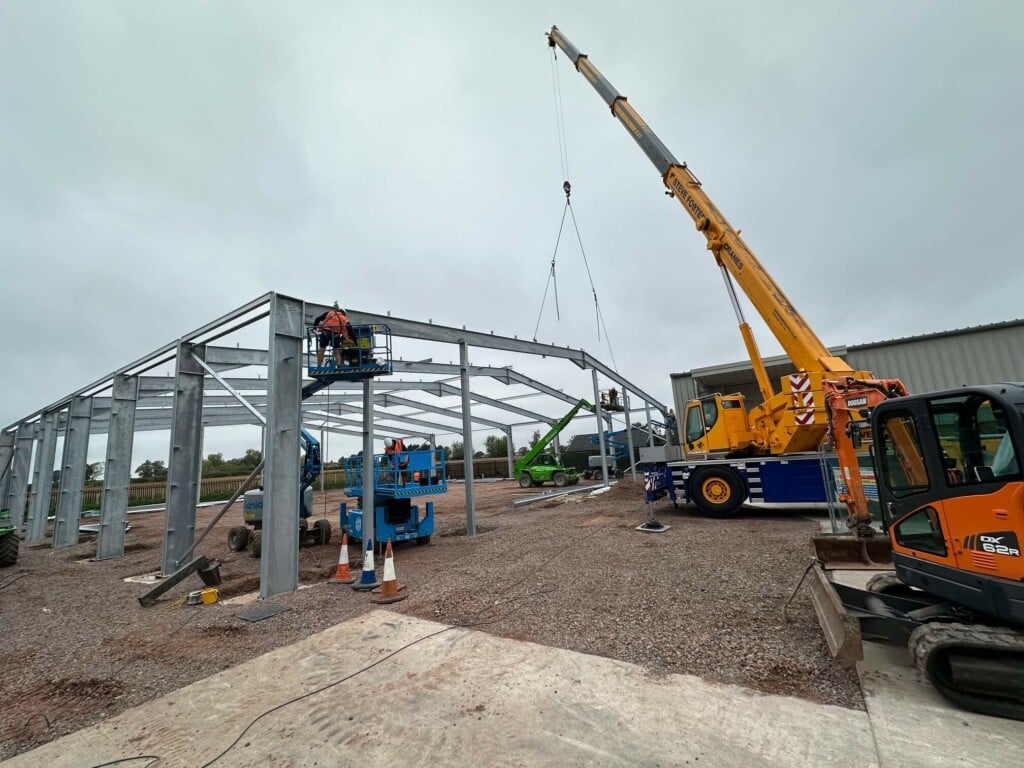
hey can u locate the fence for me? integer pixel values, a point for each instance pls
(214, 488)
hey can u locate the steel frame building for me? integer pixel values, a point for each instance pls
(132, 399)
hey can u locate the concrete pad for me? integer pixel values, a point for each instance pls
(462, 698)
(915, 727)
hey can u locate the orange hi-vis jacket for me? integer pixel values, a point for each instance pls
(336, 322)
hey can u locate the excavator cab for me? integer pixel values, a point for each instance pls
(949, 471)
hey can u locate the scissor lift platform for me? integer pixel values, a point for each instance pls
(365, 355)
(396, 483)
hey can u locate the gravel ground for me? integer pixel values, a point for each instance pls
(703, 599)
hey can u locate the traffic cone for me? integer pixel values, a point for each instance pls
(344, 574)
(390, 591)
(368, 578)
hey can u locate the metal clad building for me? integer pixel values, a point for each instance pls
(983, 354)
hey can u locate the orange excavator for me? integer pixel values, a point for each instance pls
(948, 469)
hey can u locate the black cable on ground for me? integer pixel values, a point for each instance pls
(153, 759)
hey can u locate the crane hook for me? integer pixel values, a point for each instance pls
(568, 188)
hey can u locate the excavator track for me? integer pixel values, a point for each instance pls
(977, 667)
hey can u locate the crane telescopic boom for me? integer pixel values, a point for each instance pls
(802, 345)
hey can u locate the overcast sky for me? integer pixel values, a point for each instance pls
(163, 163)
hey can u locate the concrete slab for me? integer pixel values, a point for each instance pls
(915, 727)
(461, 698)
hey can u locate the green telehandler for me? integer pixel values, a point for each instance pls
(536, 467)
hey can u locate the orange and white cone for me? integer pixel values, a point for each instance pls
(343, 575)
(390, 590)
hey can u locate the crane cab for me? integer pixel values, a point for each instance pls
(716, 424)
(364, 354)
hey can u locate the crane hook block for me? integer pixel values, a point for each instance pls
(567, 187)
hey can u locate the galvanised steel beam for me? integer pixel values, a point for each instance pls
(72, 473)
(235, 357)
(448, 389)
(279, 564)
(117, 474)
(17, 492)
(42, 479)
(164, 354)
(454, 413)
(450, 369)
(381, 418)
(428, 331)
(185, 458)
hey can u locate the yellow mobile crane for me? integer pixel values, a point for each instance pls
(718, 429)
(952, 512)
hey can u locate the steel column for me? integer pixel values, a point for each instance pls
(629, 435)
(600, 427)
(279, 566)
(42, 479)
(185, 457)
(511, 451)
(467, 437)
(117, 475)
(72, 473)
(369, 476)
(17, 491)
(6, 459)
(650, 427)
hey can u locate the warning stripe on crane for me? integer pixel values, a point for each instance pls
(803, 398)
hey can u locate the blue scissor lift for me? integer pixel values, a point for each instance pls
(367, 353)
(396, 485)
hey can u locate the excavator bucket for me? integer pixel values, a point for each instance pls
(843, 551)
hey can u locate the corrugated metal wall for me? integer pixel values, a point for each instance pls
(946, 361)
(983, 355)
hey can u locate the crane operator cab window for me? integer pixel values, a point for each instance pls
(700, 418)
(975, 439)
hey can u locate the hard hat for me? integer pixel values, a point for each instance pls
(389, 443)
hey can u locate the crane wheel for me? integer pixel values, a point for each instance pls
(525, 480)
(238, 538)
(717, 491)
(560, 479)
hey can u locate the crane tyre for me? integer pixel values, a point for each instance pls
(8, 549)
(238, 538)
(525, 480)
(560, 479)
(718, 492)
